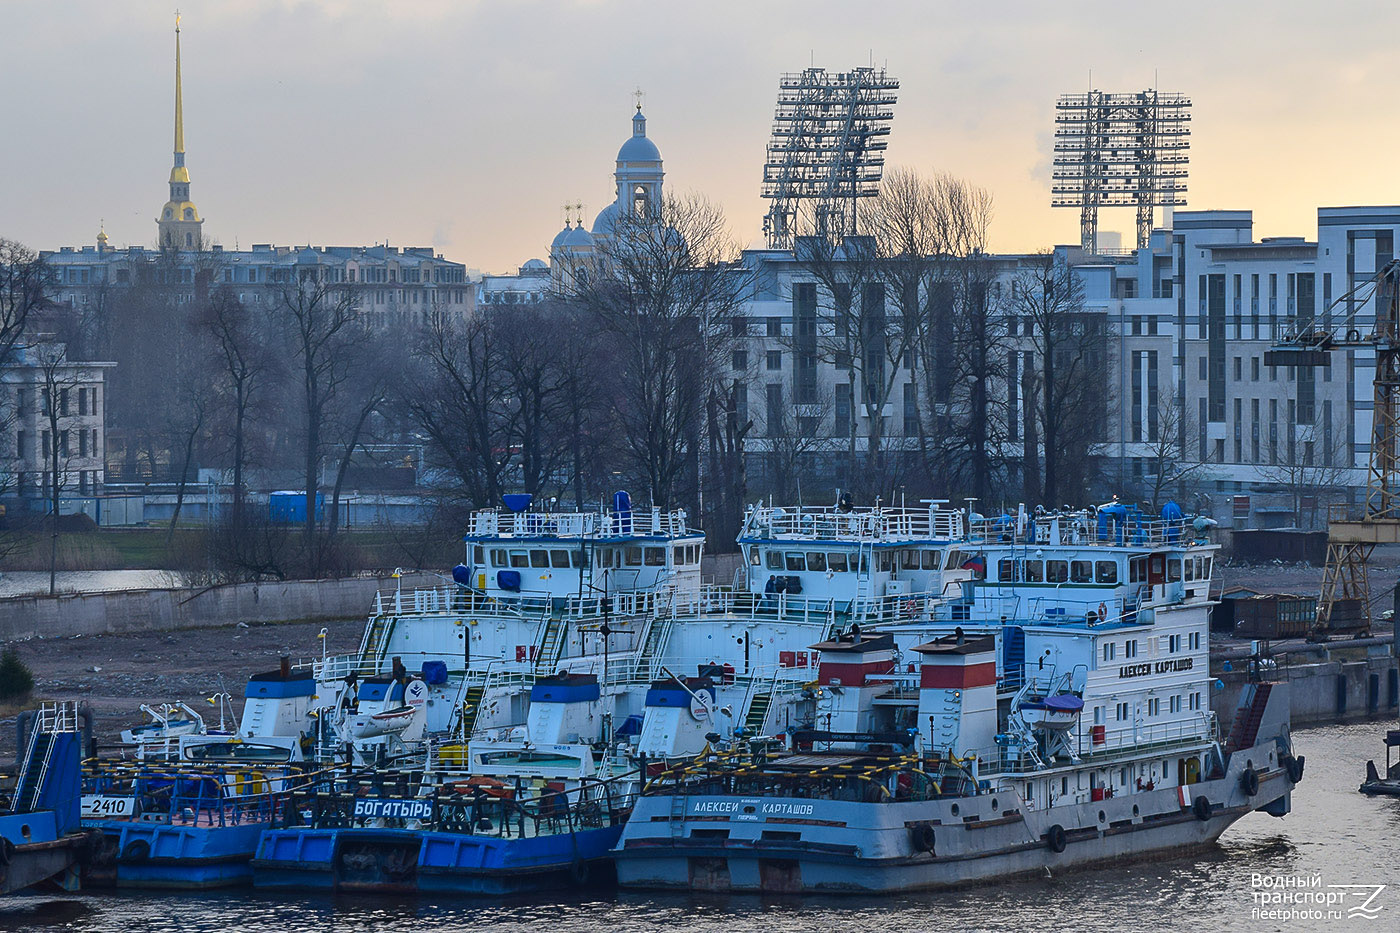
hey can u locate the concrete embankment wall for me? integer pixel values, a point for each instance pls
(194, 607)
(1327, 690)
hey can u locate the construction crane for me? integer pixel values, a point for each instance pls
(1350, 541)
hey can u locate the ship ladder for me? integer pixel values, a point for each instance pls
(471, 706)
(36, 765)
(551, 647)
(1245, 729)
(677, 815)
(758, 713)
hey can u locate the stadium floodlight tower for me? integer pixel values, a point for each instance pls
(1120, 150)
(828, 150)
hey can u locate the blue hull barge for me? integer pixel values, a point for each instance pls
(40, 841)
(478, 836)
(181, 826)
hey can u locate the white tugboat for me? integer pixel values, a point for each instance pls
(1054, 715)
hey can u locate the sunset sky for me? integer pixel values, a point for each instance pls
(466, 125)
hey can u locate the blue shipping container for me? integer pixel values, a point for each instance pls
(289, 508)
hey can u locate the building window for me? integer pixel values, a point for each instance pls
(774, 359)
(775, 327)
(740, 360)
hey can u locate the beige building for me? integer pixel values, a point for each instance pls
(52, 405)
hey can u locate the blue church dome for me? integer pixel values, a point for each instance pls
(639, 148)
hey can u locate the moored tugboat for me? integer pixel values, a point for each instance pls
(1074, 729)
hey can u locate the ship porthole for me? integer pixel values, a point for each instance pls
(955, 809)
(994, 803)
(1103, 817)
(25, 831)
(1135, 809)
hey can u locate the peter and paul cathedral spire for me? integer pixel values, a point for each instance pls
(179, 221)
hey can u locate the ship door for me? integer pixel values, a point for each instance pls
(1193, 770)
(1157, 569)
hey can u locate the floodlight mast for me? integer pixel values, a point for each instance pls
(827, 151)
(1120, 150)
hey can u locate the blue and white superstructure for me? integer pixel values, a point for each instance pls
(1051, 713)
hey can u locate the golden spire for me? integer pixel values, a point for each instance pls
(179, 103)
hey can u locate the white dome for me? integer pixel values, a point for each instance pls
(639, 148)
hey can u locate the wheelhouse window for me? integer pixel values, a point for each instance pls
(931, 559)
(498, 557)
(816, 560)
(795, 560)
(1005, 570)
(539, 558)
(632, 556)
(1106, 571)
(559, 559)
(1056, 571)
(1035, 571)
(775, 560)
(1081, 571)
(519, 559)
(836, 562)
(1174, 570)
(655, 556)
(909, 560)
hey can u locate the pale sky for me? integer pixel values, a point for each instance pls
(466, 125)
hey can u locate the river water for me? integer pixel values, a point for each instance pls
(1334, 834)
(36, 582)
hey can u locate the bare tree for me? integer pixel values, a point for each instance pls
(1065, 380)
(323, 324)
(461, 406)
(58, 380)
(665, 297)
(1170, 462)
(1311, 473)
(243, 368)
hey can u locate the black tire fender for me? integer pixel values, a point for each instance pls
(7, 851)
(921, 837)
(137, 850)
(1249, 782)
(1201, 807)
(1055, 838)
(1295, 768)
(579, 871)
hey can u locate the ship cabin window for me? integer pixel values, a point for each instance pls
(498, 557)
(655, 556)
(755, 557)
(1195, 641)
(796, 560)
(479, 556)
(559, 559)
(816, 560)
(1190, 569)
(1056, 571)
(836, 562)
(1106, 571)
(632, 556)
(1035, 571)
(1110, 650)
(775, 560)
(1154, 706)
(1130, 648)
(886, 563)
(1081, 571)
(519, 559)
(931, 559)
(1122, 712)
(1173, 570)
(1005, 570)
(909, 560)
(1137, 570)
(539, 558)
(579, 558)
(1173, 643)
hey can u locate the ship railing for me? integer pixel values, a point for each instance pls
(832, 524)
(504, 807)
(454, 599)
(1081, 529)
(889, 610)
(495, 523)
(60, 716)
(190, 796)
(1091, 745)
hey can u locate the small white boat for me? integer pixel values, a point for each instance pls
(388, 722)
(167, 721)
(1054, 714)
